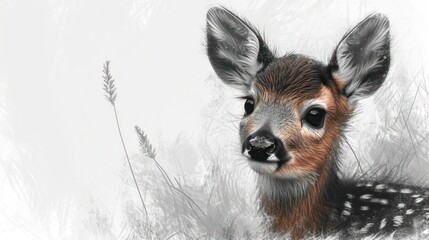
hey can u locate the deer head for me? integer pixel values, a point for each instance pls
(296, 107)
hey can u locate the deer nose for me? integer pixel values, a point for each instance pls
(264, 146)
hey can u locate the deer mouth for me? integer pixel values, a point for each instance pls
(264, 162)
(261, 156)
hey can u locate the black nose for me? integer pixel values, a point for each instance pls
(262, 144)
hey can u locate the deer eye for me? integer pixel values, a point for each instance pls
(249, 106)
(315, 117)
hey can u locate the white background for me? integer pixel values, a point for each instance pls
(58, 140)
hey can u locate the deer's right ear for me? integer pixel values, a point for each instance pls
(235, 50)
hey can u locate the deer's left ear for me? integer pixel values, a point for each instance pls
(362, 58)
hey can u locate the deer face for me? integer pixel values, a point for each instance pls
(293, 117)
(295, 107)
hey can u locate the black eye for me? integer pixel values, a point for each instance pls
(315, 117)
(249, 106)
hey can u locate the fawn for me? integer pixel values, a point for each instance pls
(296, 110)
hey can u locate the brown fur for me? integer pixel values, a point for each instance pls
(297, 140)
(304, 216)
(289, 78)
(293, 84)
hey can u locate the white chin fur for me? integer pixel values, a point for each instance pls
(263, 168)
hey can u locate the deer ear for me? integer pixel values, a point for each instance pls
(362, 58)
(235, 50)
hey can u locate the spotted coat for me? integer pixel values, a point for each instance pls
(370, 208)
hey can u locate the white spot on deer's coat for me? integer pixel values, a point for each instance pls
(380, 186)
(345, 213)
(383, 223)
(406, 191)
(401, 205)
(348, 204)
(409, 211)
(415, 196)
(364, 208)
(379, 200)
(391, 190)
(360, 184)
(398, 220)
(369, 184)
(350, 196)
(366, 196)
(419, 200)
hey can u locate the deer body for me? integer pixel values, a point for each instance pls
(296, 111)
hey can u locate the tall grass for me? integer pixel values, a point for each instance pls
(215, 208)
(111, 94)
(399, 150)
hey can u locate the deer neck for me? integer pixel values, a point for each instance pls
(301, 205)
